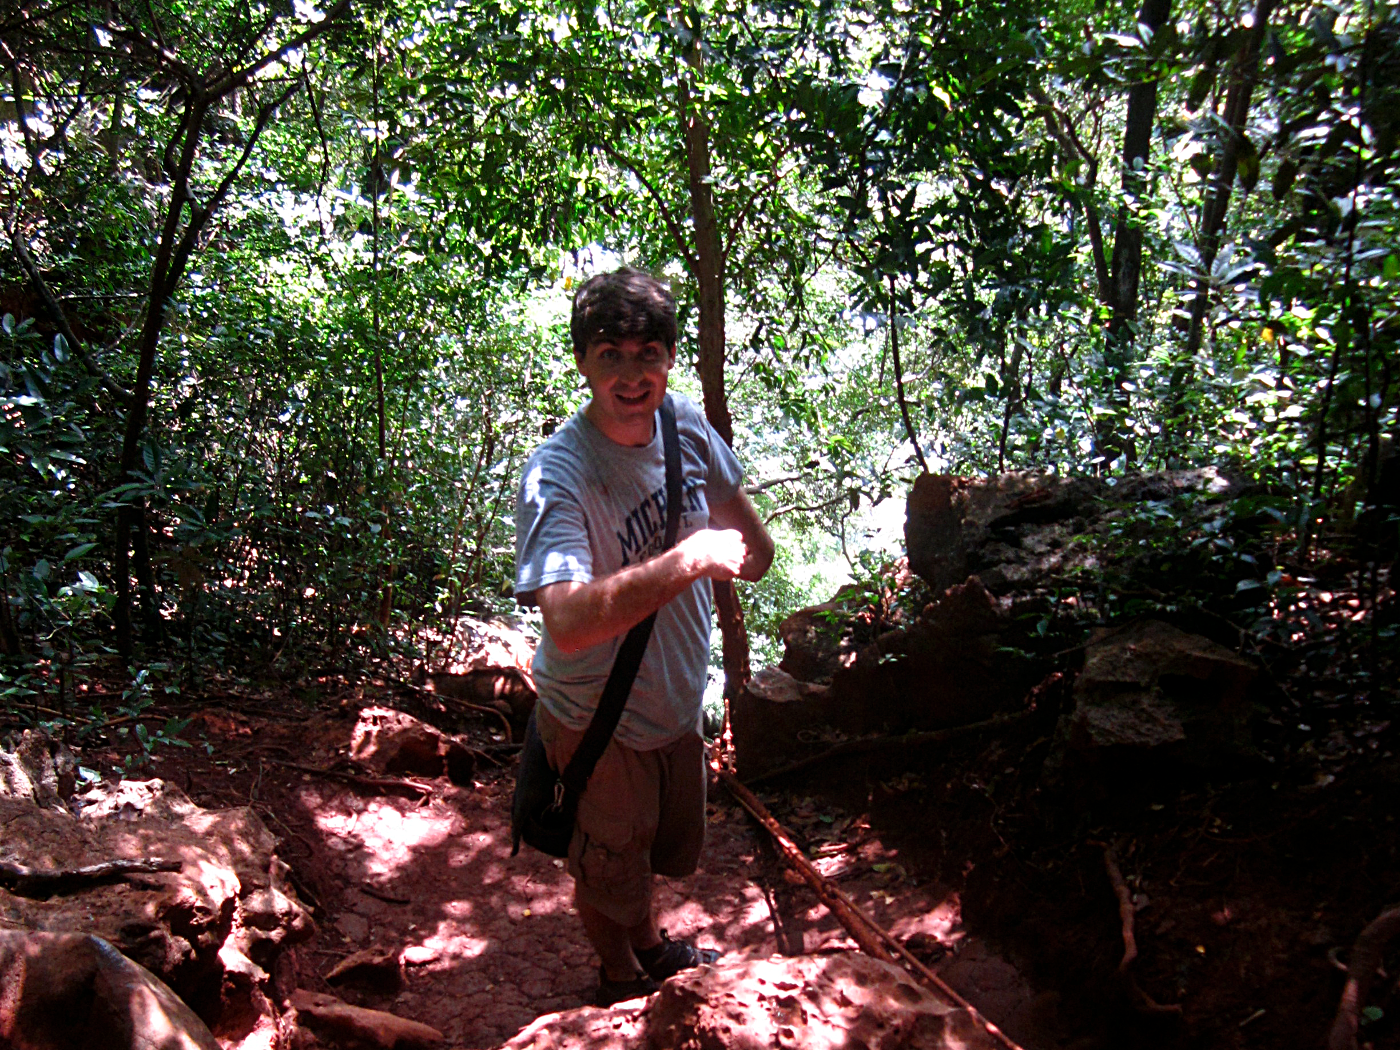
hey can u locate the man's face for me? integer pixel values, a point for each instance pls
(628, 380)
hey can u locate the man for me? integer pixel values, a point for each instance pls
(589, 526)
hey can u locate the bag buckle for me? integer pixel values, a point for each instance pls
(558, 803)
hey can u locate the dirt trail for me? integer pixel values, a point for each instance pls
(492, 941)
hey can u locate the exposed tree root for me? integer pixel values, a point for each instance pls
(882, 743)
(24, 881)
(872, 938)
(1362, 965)
(1142, 1002)
(358, 779)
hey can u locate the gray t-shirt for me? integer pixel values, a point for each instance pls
(588, 507)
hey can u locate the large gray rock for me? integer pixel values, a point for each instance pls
(837, 1000)
(1149, 688)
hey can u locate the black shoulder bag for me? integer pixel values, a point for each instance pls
(542, 811)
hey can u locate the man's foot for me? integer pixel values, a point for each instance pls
(671, 957)
(610, 992)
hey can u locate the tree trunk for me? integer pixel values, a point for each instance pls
(1222, 182)
(165, 273)
(709, 278)
(1126, 267)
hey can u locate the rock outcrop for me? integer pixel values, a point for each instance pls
(388, 741)
(1017, 530)
(841, 999)
(74, 991)
(213, 931)
(950, 667)
(489, 666)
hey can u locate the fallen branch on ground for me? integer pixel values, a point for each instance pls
(1362, 965)
(380, 895)
(872, 938)
(358, 779)
(468, 705)
(880, 743)
(24, 881)
(1142, 1002)
(445, 701)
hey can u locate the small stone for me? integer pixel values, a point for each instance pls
(419, 955)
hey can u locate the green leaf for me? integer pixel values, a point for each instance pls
(79, 551)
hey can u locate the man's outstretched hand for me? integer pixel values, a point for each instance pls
(578, 615)
(716, 553)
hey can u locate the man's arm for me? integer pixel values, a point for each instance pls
(578, 615)
(741, 515)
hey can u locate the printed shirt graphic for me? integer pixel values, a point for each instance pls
(588, 507)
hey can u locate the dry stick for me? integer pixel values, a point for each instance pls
(380, 783)
(879, 743)
(1364, 961)
(42, 882)
(380, 895)
(1142, 1002)
(445, 700)
(864, 930)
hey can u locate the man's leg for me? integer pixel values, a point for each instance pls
(615, 943)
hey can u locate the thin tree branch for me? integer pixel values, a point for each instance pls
(754, 490)
(37, 17)
(200, 214)
(237, 79)
(52, 305)
(737, 225)
(899, 383)
(808, 508)
(677, 234)
(1062, 130)
(320, 134)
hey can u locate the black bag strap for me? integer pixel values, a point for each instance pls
(634, 646)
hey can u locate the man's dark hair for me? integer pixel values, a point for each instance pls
(622, 304)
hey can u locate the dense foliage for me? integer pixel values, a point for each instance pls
(284, 288)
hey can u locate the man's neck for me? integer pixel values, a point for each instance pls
(631, 436)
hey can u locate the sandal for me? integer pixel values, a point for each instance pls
(610, 992)
(671, 957)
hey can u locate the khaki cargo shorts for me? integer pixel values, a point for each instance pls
(643, 813)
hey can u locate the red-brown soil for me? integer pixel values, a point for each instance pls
(1249, 894)
(491, 941)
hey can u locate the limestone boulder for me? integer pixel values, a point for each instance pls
(1018, 530)
(817, 641)
(1152, 689)
(952, 666)
(476, 644)
(391, 742)
(39, 769)
(841, 999)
